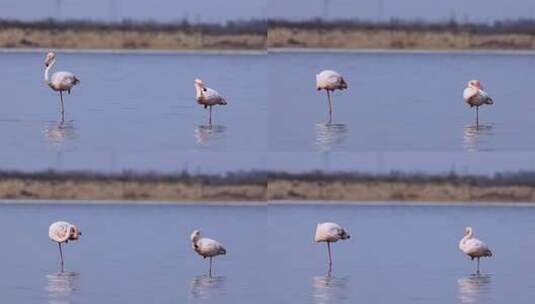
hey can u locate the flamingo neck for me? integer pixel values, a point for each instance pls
(467, 237)
(48, 68)
(198, 90)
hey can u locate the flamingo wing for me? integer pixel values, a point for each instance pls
(209, 247)
(469, 93)
(212, 96)
(475, 247)
(64, 80)
(59, 231)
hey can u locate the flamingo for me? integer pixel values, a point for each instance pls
(330, 232)
(208, 97)
(63, 232)
(474, 96)
(473, 247)
(206, 247)
(330, 81)
(60, 81)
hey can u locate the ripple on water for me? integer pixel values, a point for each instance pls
(329, 289)
(330, 135)
(477, 138)
(209, 134)
(475, 289)
(61, 286)
(206, 287)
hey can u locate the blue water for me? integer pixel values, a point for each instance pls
(401, 254)
(132, 254)
(142, 253)
(403, 111)
(400, 102)
(133, 112)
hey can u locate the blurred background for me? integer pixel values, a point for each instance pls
(382, 10)
(116, 10)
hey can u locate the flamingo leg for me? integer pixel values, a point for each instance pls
(61, 256)
(330, 258)
(477, 116)
(62, 107)
(477, 272)
(210, 117)
(330, 106)
(210, 269)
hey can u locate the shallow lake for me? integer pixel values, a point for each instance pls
(132, 254)
(141, 253)
(403, 111)
(401, 254)
(400, 102)
(133, 111)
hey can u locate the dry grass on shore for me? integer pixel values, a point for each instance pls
(395, 39)
(262, 186)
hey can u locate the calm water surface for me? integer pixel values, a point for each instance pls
(401, 254)
(141, 253)
(132, 254)
(400, 102)
(133, 111)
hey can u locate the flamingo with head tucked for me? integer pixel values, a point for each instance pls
(330, 81)
(206, 247)
(473, 247)
(59, 81)
(474, 96)
(330, 233)
(63, 232)
(208, 97)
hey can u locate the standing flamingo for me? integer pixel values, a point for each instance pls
(63, 232)
(474, 96)
(330, 81)
(208, 97)
(473, 247)
(330, 232)
(60, 81)
(206, 247)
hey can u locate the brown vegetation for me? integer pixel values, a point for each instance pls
(262, 186)
(395, 39)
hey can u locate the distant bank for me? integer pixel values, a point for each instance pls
(262, 186)
(400, 34)
(246, 35)
(262, 34)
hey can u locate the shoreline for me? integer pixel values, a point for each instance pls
(292, 36)
(119, 51)
(263, 52)
(259, 186)
(400, 38)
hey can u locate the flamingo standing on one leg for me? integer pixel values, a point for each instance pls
(63, 232)
(473, 247)
(206, 247)
(474, 96)
(208, 97)
(330, 81)
(330, 232)
(60, 81)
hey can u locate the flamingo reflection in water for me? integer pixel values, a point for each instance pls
(329, 289)
(61, 286)
(205, 287)
(474, 289)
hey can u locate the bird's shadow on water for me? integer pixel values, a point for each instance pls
(475, 288)
(207, 287)
(61, 286)
(58, 132)
(329, 289)
(207, 134)
(476, 137)
(330, 135)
